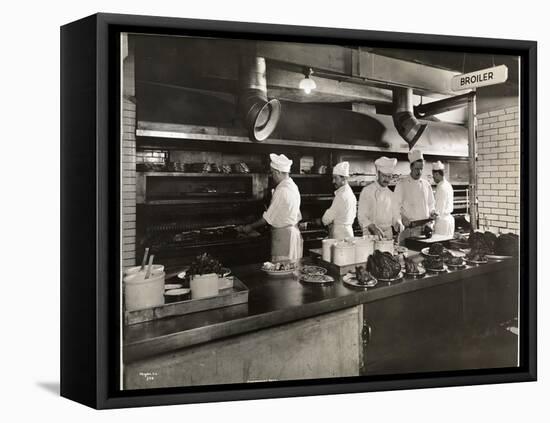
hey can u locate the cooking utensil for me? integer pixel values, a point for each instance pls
(144, 261)
(151, 258)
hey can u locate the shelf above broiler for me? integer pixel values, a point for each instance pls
(189, 174)
(200, 201)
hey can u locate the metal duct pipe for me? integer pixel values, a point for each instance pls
(404, 120)
(259, 114)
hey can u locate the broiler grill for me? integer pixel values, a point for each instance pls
(180, 216)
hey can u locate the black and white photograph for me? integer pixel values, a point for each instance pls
(293, 211)
(275, 211)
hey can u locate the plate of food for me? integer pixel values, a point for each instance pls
(453, 260)
(309, 270)
(384, 266)
(317, 279)
(434, 264)
(360, 279)
(456, 263)
(434, 250)
(279, 269)
(414, 269)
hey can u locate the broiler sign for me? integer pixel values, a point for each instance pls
(480, 78)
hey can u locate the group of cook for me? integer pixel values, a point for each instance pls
(380, 211)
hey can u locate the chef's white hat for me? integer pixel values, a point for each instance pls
(385, 164)
(280, 162)
(415, 155)
(438, 165)
(341, 169)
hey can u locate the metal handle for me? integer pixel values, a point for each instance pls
(366, 332)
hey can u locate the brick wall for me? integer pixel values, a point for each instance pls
(498, 161)
(128, 161)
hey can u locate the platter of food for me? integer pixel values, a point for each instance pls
(279, 269)
(453, 260)
(456, 264)
(486, 246)
(434, 250)
(351, 280)
(414, 269)
(384, 266)
(317, 279)
(434, 264)
(310, 270)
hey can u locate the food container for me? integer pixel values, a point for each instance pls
(384, 245)
(142, 293)
(344, 253)
(225, 282)
(203, 286)
(364, 247)
(327, 245)
(155, 268)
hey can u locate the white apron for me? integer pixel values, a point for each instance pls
(340, 232)
(386, 230)
(445, 225)
(286, 244)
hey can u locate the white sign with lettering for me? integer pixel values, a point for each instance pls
(480, 78)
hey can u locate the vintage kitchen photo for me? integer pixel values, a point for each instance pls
(297, 211)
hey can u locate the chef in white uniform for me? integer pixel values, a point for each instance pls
(283, 213)
(341, 214)
(414, 197)
(377, 212)
(444, 196)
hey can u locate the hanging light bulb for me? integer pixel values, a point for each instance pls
(307, 84)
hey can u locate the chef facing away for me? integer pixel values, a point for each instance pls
(283, 213)
(341, 214)
(414, 198)
(377, 212)
(444, 196)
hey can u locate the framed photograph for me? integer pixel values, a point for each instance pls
(259, 211)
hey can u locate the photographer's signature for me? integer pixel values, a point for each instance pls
(149, 376)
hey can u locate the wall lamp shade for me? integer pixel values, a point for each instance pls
(307, 84)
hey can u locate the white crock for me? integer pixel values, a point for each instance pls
(204, 285)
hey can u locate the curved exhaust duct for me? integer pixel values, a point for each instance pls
(259, 114)
(405, 122)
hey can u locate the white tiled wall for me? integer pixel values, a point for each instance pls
(499, 170)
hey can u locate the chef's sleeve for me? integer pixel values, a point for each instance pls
(275, 207)
(330, 213)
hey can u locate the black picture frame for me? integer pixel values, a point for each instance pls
(89, 211)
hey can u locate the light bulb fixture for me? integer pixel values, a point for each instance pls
(307, 84)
